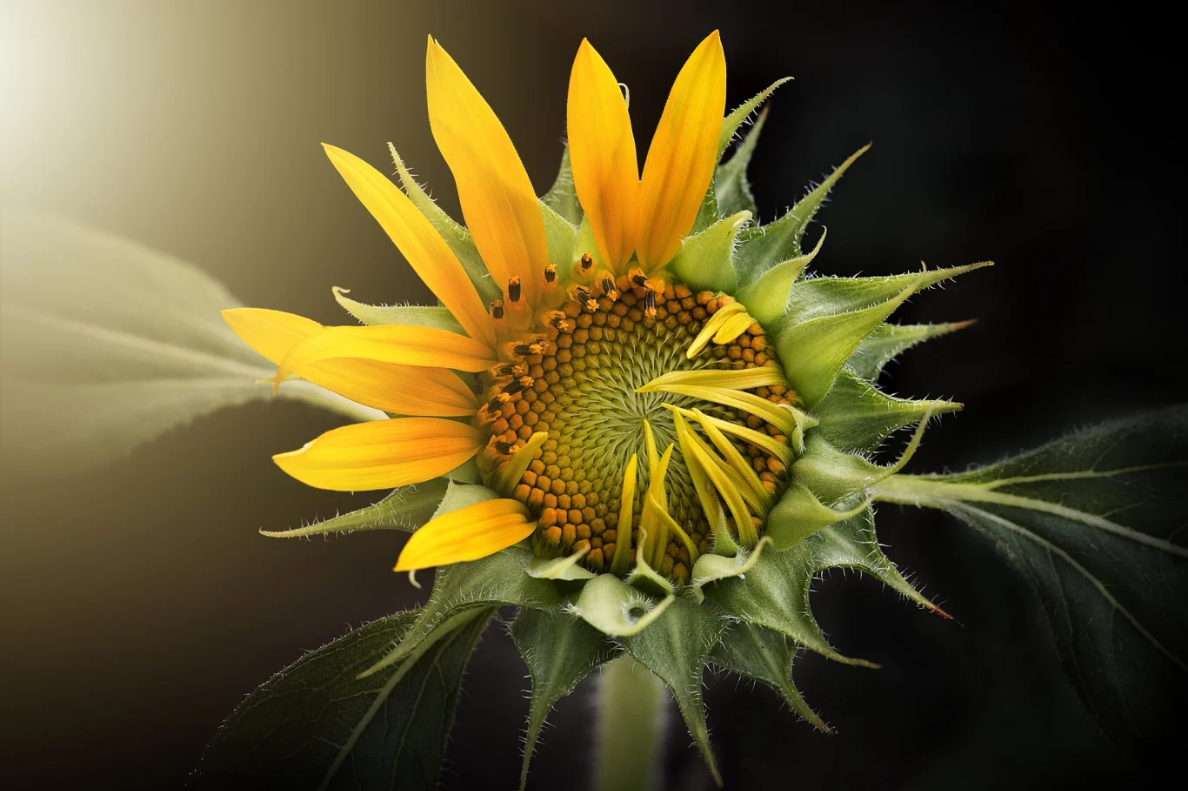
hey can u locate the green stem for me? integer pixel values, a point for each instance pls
(630, 728)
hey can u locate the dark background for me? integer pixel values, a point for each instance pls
(140, 604)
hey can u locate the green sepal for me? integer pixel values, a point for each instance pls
(775, 595)
(767, 297)
(830, 296)
(560, 651)
(494, 581)
(675, 648)
(707, 212)
(738, 115)
(406, 508)
(560, 237)
(712, 568)
(833, 474)
(320, 724)
(456, 236)
(562, 196)
(644, 577)
(613, 607)
(799, 514)
(856, 416)
(766, 656)
(731, 188)
(814, 351)
(415, 315)
(888, 341)
(852, 544)
(705, 260)
(765, 245)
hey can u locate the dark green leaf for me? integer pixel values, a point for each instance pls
(559, 650)
(1095, 520)
(317, 725)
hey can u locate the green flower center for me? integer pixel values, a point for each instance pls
(599, 350)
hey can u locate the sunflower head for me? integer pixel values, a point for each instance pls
(632, 415)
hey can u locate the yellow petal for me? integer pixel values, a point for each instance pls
(387, 343)
(402, 389)
(382, 454)
(469, 533)
(682, 156)
(500, 206)
(602, 155)
(418, 241)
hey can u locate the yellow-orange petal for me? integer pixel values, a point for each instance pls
(387, 343)
(382, 454)
(498, 202)
(602, 155)
(682, 156)
(418, 241)
(402, 389)
(469, 533)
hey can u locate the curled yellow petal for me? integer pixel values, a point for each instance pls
(682, 155)
(401, 389)
(500, 206)
(383, 454)
(418, 241)
(627, 505)
(728, 378)
(387, 343)
(469, 533)
(602, 155)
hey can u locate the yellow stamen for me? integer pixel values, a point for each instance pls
(623, 531)
(743, 379)
(711, 327)
(713, 467)
(760, 439)
(779, 415)
(738, 463)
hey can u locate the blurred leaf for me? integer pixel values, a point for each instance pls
(406, 508)
(562, 196)
(1095, 520)
(731, 187)
(317, 725)
(765, 656)
(107, 344)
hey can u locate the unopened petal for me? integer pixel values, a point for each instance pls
(469, 533)
(382, 454)
(682, 156)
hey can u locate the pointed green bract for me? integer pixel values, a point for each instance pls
(763, 246)
(765, 656)
(676, 648)
(830, 296)
(799, 514)
(767, 297)
(731, 188)
(738, 115)
(406, 508)
(456, 236)
(560, 237)
(494, 581)
(712, 568)
(813, 352)
(852, 544)
(890, 340)
(775, 594)
(562, 196)
(856, 416)
(559, 650)
(562, 568)
(415, 315)
(318, 725)
(705, 260)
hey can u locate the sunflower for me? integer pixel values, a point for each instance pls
(579, 367)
